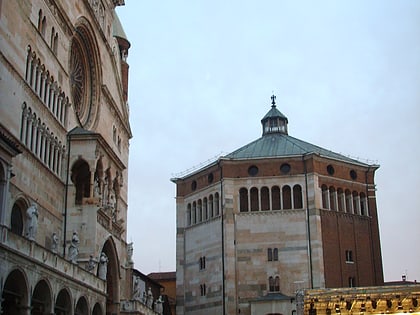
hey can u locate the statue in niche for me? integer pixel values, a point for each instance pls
(91, 264)
(103, 265)
(54, 243)
(149, 299)
(130, 253)
(159, 305)
(137, 289)
(74, 248)
(31, 221)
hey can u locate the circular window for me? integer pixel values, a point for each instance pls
(83, 77)
(330, 169)
(194, 185)
(253, 170)
(353, 174)
(285, 168)
(210, 178)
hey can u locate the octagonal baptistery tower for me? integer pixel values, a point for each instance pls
(275, 216)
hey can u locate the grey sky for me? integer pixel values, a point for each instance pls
(345, 73)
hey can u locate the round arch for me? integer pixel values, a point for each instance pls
(17, 216)
(112, 276)
(63, 303)
(15, 293)
(80, 176)
(41, 301)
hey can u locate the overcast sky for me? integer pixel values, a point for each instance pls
(345, 73)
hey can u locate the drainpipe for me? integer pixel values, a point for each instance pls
(65, 196)
(308, 226)
(223, 238)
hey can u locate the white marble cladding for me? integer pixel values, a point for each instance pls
(47, 260)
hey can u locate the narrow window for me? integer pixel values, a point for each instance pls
(270, 254)
(275, 254)
(194, 213)
(333, 204)
(297, 197)
(349, 256)
(205, 210)
(216, 203)
(352, 282)
(16, 223)
(254, 199)
(211, 206)
(199, 211)
(287, 197)
(275, 198)
(189, 214)
(80, 176)
(265, 198)
(243, 200)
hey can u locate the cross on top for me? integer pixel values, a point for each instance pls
(273, 100)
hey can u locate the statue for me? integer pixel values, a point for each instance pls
(130, 253)
(149, 299)
(31, 221)
(137, 289)
(74, 248)
(144, 298)
(159, 305)
(54, 243)
(103, 264)
(91, 264)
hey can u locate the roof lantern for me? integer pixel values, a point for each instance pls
(274, 121)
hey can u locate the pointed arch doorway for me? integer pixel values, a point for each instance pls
(112, 277)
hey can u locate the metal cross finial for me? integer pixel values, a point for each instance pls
(273, 100)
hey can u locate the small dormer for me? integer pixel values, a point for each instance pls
(274, 121)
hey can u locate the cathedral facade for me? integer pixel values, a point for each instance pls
(64, 146)
(276, 216)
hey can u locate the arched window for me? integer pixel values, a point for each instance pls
(275, 254)
(333, 203)
(287, 197)
(243, 200)
(82, 307)
(254, 199)
(341, 200)
(275, 198)
(41, 299)
(216, 204)
(199, 211)
(363, 204)
(265, 198)
(356, 203)
(205, 210)
(39, 20)
(43, 26)
(349, 202)
(194, 213)
(325, 197)
(80, 176)
(189, 214)
(297, 197)
(63, 302)
(211, 206)
(16, 220)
